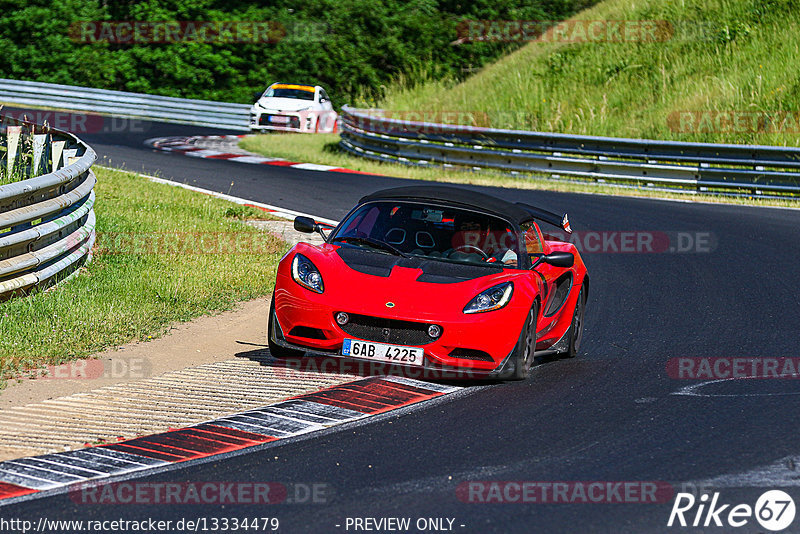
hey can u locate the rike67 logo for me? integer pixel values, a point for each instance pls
(774, 510)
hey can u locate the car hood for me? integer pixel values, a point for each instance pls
(414, 287)
(284, 104)
(431, 271)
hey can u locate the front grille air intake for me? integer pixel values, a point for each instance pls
(471, 354)
(388, 330)
(307, 332)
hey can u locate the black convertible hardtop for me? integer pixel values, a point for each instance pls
(515, 212)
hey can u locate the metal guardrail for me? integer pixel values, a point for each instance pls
(47, 221)
(124, 104)
(704, 167)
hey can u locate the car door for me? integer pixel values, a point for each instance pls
(556, 280)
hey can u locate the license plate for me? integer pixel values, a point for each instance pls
(382, 352)
(278, 119)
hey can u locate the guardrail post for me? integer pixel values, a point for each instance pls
(70, 155)
(13, 134)
(39, 143)
(56, 151)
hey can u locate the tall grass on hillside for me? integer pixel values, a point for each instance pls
(736, 60)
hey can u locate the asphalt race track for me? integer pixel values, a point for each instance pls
(609, 415)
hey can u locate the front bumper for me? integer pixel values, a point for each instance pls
(333, 361)
(478, 343)
(285, 121)
(308, 121)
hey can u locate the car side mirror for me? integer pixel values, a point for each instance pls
(557, 259)
(307, 225)
(257, 96)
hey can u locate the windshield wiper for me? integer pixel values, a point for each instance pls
(372, 242)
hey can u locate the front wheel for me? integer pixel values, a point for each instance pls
(276, 350)
(526, 346)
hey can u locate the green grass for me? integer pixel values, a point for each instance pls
(724, 55)
(22, 162)
(129, 293)
(324, 149)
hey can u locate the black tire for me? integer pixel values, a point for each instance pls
(576, 328)
(276, 350)
(522, 358)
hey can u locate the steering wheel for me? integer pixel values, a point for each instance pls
(473, 247)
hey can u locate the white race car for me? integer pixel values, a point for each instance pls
(293, 108)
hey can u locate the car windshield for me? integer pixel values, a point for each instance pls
(433, 231)
(282, 92)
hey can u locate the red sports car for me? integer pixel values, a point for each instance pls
(434, 278)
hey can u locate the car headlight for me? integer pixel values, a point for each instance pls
(493, 298)
(306, 274)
